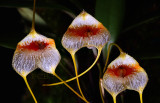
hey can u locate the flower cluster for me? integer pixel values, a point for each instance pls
(37, 51)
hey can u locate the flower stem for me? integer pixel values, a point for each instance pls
(25, 79)
(141, 98)
(71, 79)
(70, 87)
(108, 53)
(33, 19)
(76, 72)
(100, 89)
(114, 99)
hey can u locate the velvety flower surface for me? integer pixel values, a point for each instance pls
(85, 31)
(35, 51)
(124, 73)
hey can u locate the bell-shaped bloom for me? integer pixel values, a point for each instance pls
(124, 73)
(85, 31)
(35, 51)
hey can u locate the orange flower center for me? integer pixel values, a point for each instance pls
(84, 31)
(122, 70)
(35, 45)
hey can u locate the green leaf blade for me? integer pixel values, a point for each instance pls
(110, 13)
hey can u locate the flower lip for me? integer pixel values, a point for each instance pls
(123, 66)
(35, 45)
(84, 31)
(122, 70)
(124, 73)
(35, 51)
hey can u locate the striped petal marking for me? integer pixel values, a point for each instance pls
(35, 51)
(124, 73)
(85, 31)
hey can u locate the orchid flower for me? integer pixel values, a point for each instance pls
(37, 51)
(124, 73)
(84, 31)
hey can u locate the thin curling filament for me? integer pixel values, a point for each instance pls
(108, 53)
(70, 88)
(76, 72)
(40, 52)
(36, 51)
(71, 79)
(84, 31)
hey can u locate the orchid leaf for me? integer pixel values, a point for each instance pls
(28, 15)
(22, 27)
(110, 13)
(39, 4)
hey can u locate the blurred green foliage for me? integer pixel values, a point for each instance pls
(134, 26)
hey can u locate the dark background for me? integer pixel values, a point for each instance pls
(139, 37)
